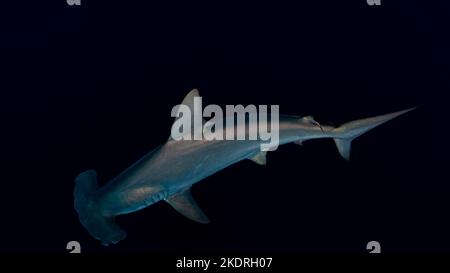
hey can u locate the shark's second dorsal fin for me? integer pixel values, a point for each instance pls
(306, 119)
(184, 203)
(259, 158)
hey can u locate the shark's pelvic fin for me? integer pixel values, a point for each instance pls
(344, 147)
(353, 129)
(185, 204)
(259, 158)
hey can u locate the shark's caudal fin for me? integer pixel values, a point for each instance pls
(100, 227)
(351, 130)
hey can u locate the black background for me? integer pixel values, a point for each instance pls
(93, 86)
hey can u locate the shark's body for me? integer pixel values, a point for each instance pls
(168, 172)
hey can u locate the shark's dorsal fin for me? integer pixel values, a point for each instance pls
(259, 158)
(185, 204)
(306, 118)
(189, 98)
(189, 102)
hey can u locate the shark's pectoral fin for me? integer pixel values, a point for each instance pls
(185, 204)
(259, 158)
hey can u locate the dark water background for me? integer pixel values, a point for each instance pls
(93, 86)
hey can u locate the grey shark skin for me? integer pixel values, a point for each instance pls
(168, 172)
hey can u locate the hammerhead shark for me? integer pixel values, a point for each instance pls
(169, 171)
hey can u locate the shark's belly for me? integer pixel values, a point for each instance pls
(192, 164)
(174, 169)
(129, 200)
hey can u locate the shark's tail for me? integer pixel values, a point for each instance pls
(99, 226)
(353, 129)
